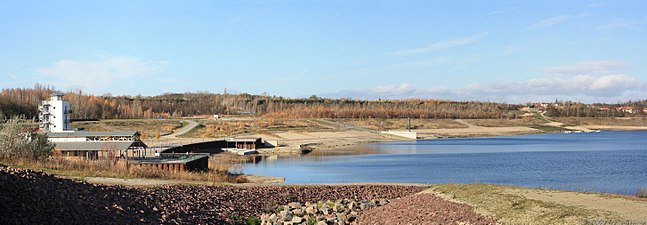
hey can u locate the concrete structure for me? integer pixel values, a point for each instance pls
(402, 133)
(244, 146)
(246, 143)
(177, 162)
(94, 145)
(55, 114)
(54, 118)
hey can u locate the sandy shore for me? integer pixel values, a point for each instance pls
(290, 141)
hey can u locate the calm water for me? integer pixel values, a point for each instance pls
(610, 161)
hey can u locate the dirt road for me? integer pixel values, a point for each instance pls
(191, 124)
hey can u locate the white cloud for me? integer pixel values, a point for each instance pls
(616, 24)
(590, 67)
(548, 22)
(394, 90)
(587, 88)
(444, 44)
(98, 74)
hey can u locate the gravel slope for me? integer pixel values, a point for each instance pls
(32, 197)
(423, 209)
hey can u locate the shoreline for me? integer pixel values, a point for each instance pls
(473, 133)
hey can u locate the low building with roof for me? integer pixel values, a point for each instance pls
(177, 162)
(94, 145)
(55, 114)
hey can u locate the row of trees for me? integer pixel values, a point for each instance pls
(575, 109)
(24, 102)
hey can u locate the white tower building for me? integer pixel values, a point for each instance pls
(54, 114)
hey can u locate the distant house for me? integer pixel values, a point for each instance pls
(627, 109)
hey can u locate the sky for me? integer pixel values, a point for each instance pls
(503, 51)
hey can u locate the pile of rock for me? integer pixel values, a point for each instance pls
(424, 209)
(341, 211)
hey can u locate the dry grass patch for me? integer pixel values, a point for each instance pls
(642, 193)
(399, 124)
(517, 209)
(147, 127)
(526, 122)
(118, 169)
(590, 121)
(225, 128)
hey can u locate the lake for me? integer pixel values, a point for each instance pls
(609, 161)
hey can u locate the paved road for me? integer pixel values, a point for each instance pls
(192, 124)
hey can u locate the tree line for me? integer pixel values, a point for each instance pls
(24, 102)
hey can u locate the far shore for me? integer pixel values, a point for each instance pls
(335, 140)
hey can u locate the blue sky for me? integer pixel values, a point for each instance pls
(510, 51)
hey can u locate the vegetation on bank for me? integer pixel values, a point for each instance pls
(21, 147)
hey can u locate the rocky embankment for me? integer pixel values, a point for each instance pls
(341, 211)
(32, 197)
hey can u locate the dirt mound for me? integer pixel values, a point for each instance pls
(423, 209)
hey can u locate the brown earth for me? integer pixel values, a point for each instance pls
(423, 209)
(32, 197)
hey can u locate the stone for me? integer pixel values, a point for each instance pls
(363, 205)
(311, 210)
(285, 215)
(321, 223)
(294, 205)
(297, 212)
(342, 217)
(273, 218)
(296, 219)
(324, 209)
(352, 205)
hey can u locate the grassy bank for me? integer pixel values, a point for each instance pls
(517, 205)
